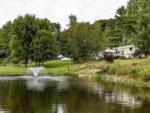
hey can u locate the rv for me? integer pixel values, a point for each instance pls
(122, 51)
(125, 51)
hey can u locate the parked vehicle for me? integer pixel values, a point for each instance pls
(120, 52)
(63, 58)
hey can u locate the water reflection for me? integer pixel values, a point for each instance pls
(123, 98)
(2, 110)
(36, 84)
(63, 85)
(39, 83)
(120, 97)
(71, 95)
(58, 108)
(45, 78)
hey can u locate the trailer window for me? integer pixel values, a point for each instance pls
(131, 48)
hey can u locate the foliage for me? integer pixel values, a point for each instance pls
(29, 38)
(43, 47)
(24, 29)
(127, 68)
(5, 36)
(82, 41)
(139, 12)
(18, 39)
(72, 20)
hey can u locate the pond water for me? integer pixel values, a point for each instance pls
(70, 95)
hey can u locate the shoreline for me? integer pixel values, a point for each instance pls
(122, 71)
(125, 81)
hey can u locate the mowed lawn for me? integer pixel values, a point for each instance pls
(58, 67)
(52, 67)
(12, 70)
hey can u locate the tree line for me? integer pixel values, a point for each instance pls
(28, 38)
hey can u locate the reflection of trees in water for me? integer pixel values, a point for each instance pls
(112, 94)
(77, 99)
(3, 95)
(21, 100)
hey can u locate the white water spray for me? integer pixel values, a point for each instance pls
(36, 70)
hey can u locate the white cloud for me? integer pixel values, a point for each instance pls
(58, 10)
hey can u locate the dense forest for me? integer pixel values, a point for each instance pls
(28, 38)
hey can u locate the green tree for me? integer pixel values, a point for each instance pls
(56, 31)
(121, 18)
(139, 12)
(24, 29)
(2, 51)
(43, 47)
(5, 36)
(84, 41)
(72, 20)
(45, 24)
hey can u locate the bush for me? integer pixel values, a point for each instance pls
(120, 69)
(15, 61)
(104, 69)
(109, 57)
(5, 61)
(146, 78)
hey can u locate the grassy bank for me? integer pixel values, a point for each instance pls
(52, 67)
(58, 67)
(11, 70)
(133, 72)
(55, 67)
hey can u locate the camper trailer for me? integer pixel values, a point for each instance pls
(125, 51)
(122, 51)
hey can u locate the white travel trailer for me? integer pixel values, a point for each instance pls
(119, 52)
(122, 51)
(125, 51)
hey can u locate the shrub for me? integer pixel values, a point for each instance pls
(5, 61)
(15, 60)
(146, 78)
(109, 57)
(104, 69)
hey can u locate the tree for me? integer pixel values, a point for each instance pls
(14, 46)
(43, 47)
(45, 24)
(64, 43)
(72, 20)
(57, 30)
(144, 34)
(121, 16)
(109, 32)
(5, 36)
(139, 12)
(24, 29)
(84, 41)
(2, 50)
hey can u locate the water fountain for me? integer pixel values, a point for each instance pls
(37, 79)
(35, 71)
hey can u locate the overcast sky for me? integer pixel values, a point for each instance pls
(59, 10)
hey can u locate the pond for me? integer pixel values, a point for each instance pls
(69, 95)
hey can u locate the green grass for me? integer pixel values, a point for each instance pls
(118, 68)
(52, 67)
(58, 67)
(11, 70)
(135, 68)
